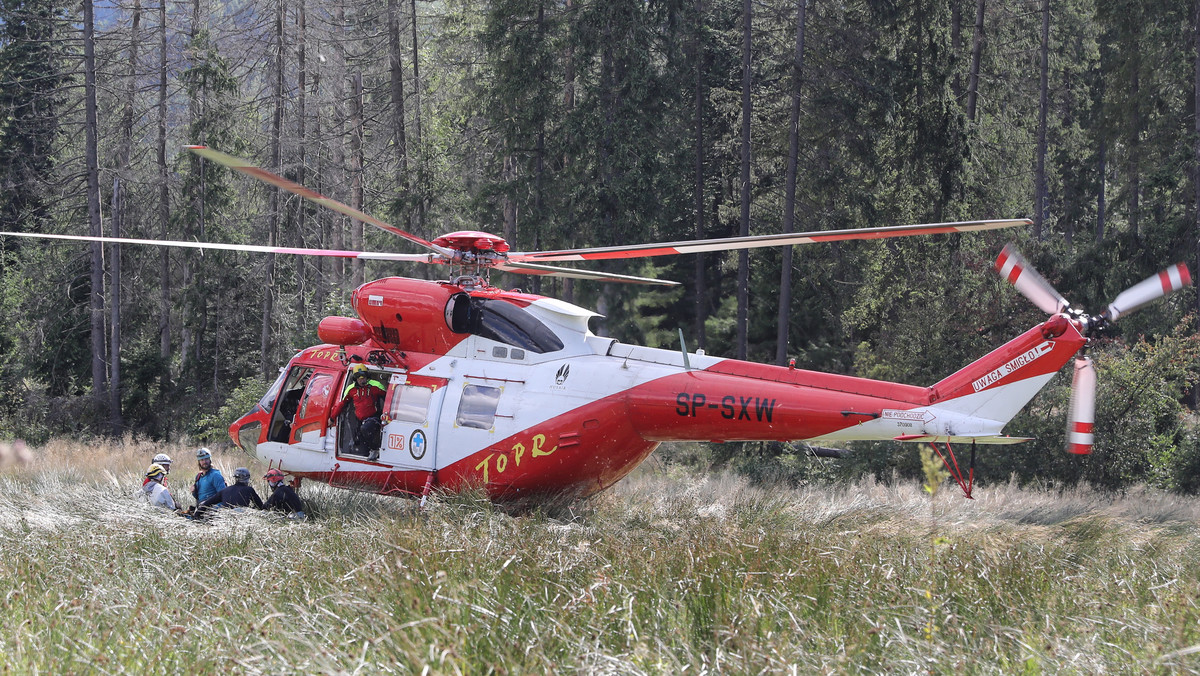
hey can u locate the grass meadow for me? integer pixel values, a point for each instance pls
(669, 572)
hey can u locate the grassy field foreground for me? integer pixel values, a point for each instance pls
(667, 572)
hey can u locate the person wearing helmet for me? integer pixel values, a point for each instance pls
(240, 494)
(154, 491)
(209, 480)
(283, 497)
(365, 395)
(162, 460)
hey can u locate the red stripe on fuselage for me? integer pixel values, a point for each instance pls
(713, 406)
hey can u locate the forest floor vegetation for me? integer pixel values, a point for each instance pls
(671, 570)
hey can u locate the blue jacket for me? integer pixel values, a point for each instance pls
(208, 484)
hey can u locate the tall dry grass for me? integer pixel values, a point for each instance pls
(669, 571)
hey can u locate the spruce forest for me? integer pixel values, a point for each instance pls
(573, 123)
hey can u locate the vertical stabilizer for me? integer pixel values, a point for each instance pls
(999, 384)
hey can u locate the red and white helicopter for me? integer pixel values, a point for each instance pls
(512, 392)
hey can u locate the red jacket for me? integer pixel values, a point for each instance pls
(368, 401)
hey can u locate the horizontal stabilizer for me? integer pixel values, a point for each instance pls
(984, 439)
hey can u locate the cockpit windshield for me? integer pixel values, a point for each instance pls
(268, 399)
(503, 322)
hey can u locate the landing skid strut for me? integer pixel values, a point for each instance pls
(951, 463)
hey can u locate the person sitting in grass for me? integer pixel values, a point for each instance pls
(154, 491)
(283, 497)
(240, 494)
(209, 480)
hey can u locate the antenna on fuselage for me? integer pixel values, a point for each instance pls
(687, 364)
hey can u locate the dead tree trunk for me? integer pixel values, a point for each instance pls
(91, 133)
(789, 198)
(743, 277)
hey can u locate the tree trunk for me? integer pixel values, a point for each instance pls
(396, 78)
(1135, 155)
(789, 198)
(955, 45)
(508, 206)
(700, 286)
(164, 205)
(268, 304)
(114, 373)
(419, 217)
(1196, 171)
(338, 149)
(356, 176)
(91, 132)
(124, 154)
(743, 278)
(302, 153)
(1101, 207)
(568, 99)
(197, 197)
(976, 57)
(1039, 199)
(539, 159)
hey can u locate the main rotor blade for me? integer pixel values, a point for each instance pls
(255, 248)
(757, 241)
(1083, 408)
(248, 169)
(551, 271)
(1014, 268)
(1173, 278)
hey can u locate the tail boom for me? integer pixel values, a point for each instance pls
(738, 401)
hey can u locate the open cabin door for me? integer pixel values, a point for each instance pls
(308, 428)
(411, 411)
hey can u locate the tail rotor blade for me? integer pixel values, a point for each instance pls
(1083, 407)
(1014, 268)
(1173, 278)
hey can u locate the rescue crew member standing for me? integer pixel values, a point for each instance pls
(366, 394)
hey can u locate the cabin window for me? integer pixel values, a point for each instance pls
(478, 407)
(410, 403)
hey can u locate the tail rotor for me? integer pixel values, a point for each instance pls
(1017, 271)
(1083, 407)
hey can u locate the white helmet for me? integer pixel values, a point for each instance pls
(164, 460)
